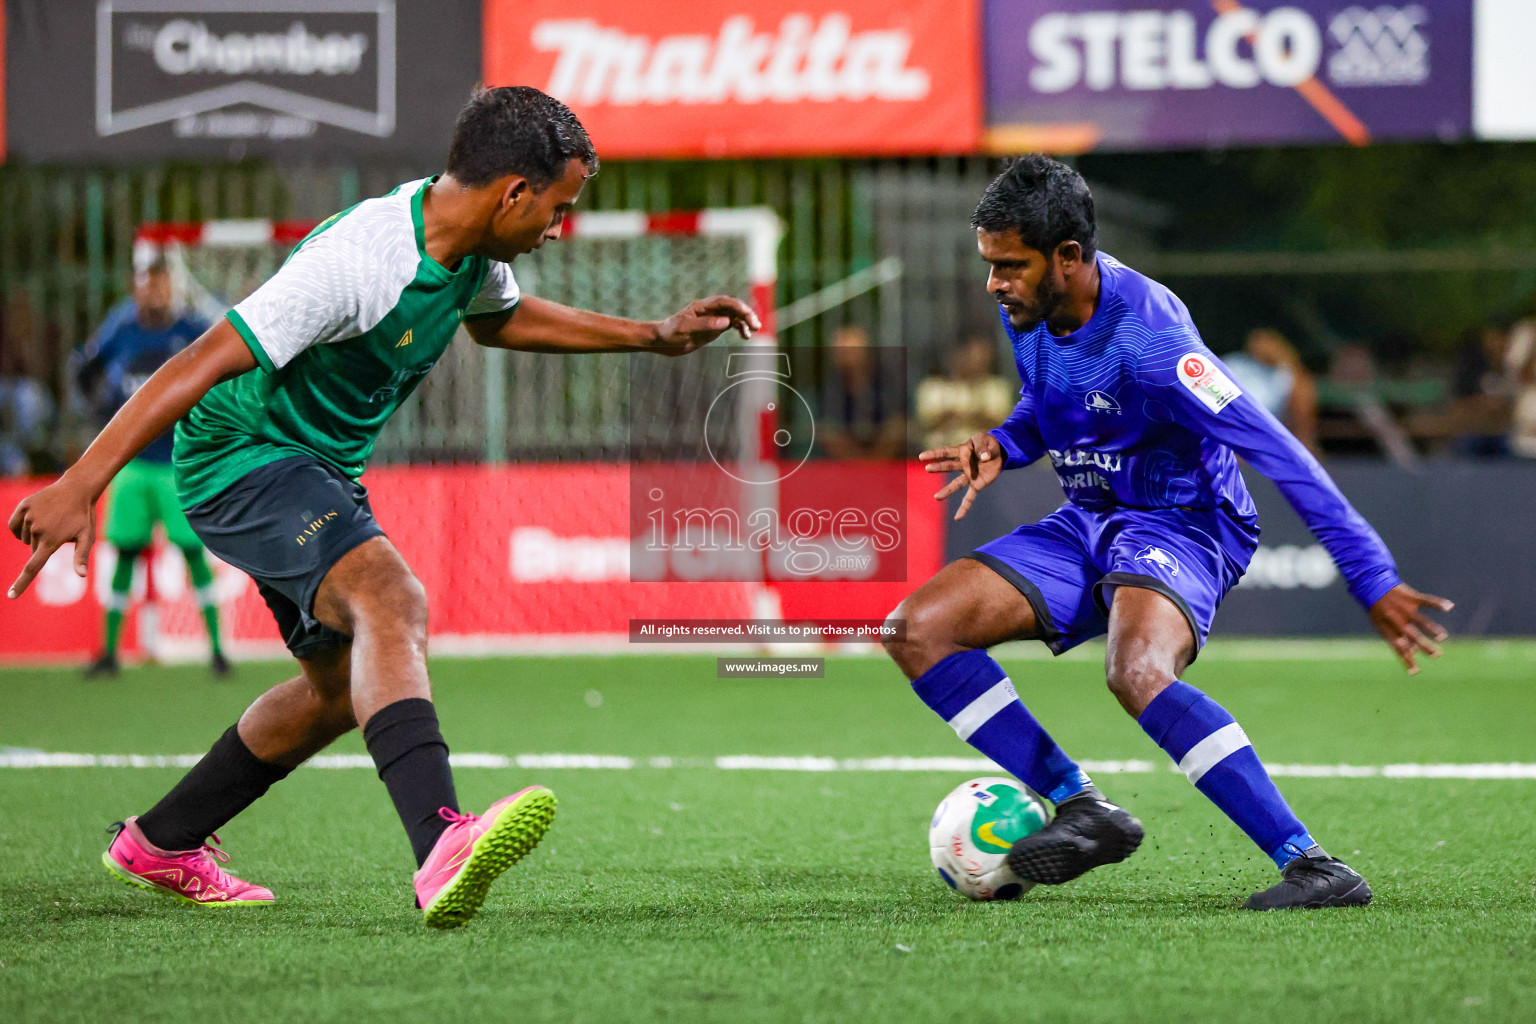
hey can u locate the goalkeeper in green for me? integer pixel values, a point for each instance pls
(135, 340)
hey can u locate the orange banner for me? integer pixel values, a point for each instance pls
(749, 78)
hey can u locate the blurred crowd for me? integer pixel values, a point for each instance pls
(1482, 406)
(29, 404)
(1494, 388)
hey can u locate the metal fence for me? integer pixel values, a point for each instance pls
(66, 240)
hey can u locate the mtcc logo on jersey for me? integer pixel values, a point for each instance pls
(1098, 401)
(1157, 556)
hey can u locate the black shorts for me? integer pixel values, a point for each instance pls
(285, 524)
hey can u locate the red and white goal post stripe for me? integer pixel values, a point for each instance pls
(566, 619)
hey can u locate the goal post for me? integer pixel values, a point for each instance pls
(483, 411)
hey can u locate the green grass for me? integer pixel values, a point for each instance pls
(698, 894)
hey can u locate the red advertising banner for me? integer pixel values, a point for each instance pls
(510, 556)
(749, 78)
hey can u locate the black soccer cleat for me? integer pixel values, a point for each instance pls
(106, 664)
(1085, 834)
(220, 666)
(1311, 882)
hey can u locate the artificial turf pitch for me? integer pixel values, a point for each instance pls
(696, 893)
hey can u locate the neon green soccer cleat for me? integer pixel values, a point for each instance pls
(475, 850)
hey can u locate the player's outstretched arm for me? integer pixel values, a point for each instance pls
(1205, 399)
(538, 325)
(1397, 616)
(65, 510)
(978, 461)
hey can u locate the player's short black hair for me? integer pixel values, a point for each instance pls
(516, 129)
(1042, 199)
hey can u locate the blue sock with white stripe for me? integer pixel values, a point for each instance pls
(974, 695)
(1212, 749)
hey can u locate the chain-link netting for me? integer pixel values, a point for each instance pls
(479, 405)
(212, 278)
(486, 405)
(557, 535)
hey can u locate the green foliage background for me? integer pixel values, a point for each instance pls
(1476, 197)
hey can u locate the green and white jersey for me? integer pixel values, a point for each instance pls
(344, 332)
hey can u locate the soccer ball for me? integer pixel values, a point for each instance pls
(972, 831)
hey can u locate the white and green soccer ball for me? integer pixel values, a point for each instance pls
(973, 830)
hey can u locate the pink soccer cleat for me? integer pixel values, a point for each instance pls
(475, 850)
(190, 876)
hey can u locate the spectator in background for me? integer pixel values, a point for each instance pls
(863, 409)
(1271, 370)
(136, 339)
(973, 396)
(1481, 393)
(1520, 370)
(26, 407)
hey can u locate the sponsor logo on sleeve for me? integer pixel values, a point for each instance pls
(1200, 374)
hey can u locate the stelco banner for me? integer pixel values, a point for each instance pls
(1148, 74)
(734, 78)
(120, 79)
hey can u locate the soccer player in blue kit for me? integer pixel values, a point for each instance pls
(1144, 427)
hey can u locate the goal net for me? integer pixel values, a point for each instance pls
(505, 478)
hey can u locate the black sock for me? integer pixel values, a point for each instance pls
(225, 782)
(412, 756)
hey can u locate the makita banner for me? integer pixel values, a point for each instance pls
(1148, 74)
(1459, 530)
(124, 79)
(734, 78)
(510, 556)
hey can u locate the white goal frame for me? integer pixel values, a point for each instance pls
(759, 227)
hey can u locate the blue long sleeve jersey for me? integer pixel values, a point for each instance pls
(124, 353)
(1134, 411)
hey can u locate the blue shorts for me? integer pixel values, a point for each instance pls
(1068, 564)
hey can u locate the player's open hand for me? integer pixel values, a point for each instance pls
(1398, 618)
(54, 516)
(702, 321)
(978, 462)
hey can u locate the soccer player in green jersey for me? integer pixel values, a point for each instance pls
(276, 410)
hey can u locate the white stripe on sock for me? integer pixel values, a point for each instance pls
(980, 711)
(1212, 750)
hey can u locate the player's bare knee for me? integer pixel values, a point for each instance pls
(399, 607)
(337, 719)
(922, 636)
(329, 674)
(1136, 672)
(894, 642)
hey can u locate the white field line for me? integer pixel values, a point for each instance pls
(179, 650)
(13, 758)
